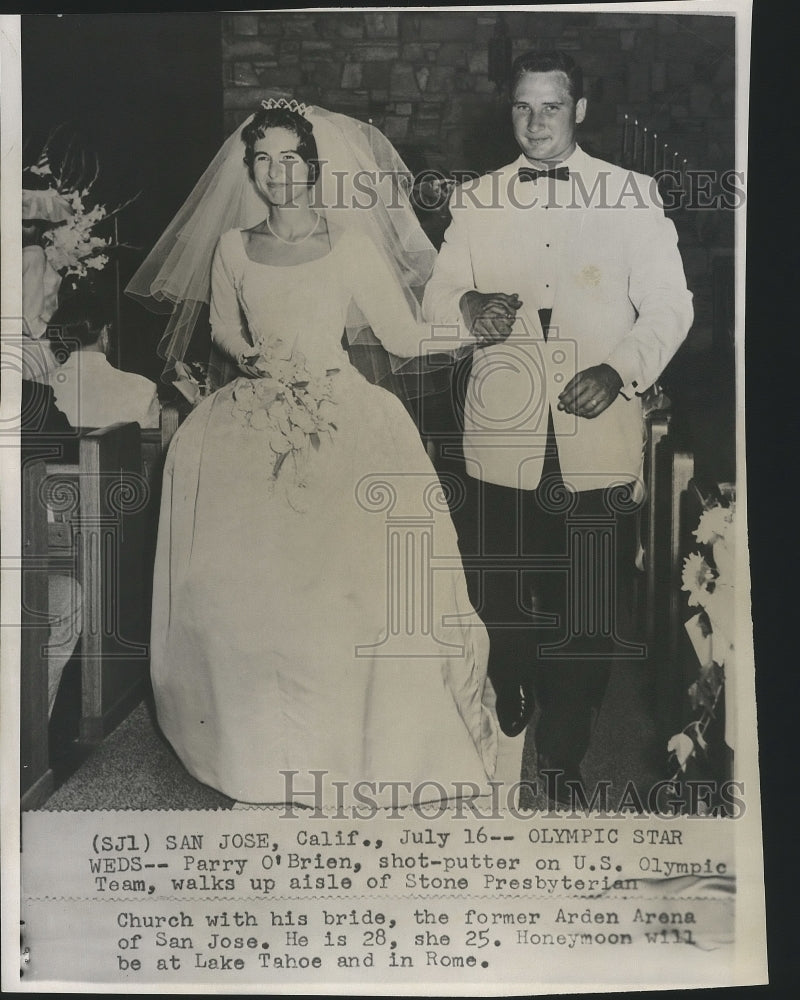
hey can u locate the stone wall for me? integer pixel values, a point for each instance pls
(422, 77)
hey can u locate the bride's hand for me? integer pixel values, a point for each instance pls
(252, 365)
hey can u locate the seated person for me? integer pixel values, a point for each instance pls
(88, 389)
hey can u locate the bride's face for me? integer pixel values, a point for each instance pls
(279, 172)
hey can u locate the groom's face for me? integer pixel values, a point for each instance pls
(544, 116)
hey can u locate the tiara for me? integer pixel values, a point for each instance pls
(282, 104)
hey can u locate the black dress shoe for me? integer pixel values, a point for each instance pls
(514, 705)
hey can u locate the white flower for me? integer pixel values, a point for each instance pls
(279, 416)
(326, 411)
(695, 578)
(243, 394)
(267, 388)
(282, 370)
(302, 418)
(320, 387)
(683, 748)
(297, 438)
(278, 442)
(259, 419)
(714, 523)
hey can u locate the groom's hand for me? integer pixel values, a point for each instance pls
(590, 391)
(489, 316)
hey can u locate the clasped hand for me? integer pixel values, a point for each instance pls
(253, 365)
(591, 391)
(489, 316)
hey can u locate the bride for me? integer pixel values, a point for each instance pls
(310, 611)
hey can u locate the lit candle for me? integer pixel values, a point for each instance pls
(643, 167)
(655, 153)
(664, 158)
(635, 140)
(625, 140)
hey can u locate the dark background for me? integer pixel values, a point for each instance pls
(144, 93)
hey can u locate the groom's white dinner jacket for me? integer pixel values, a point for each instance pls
(605, 258)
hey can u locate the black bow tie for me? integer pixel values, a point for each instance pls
(529, 174)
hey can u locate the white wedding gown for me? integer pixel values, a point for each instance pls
(332, 635)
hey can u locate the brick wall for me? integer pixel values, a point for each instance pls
(422, 79)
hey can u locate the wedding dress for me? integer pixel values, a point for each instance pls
(317, 618)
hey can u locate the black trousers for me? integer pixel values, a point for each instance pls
(551, 574)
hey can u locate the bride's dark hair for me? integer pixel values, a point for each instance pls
(267, 118)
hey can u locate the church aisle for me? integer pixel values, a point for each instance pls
(135, 768)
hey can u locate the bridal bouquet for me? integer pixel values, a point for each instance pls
(708, 578)
(290, 405)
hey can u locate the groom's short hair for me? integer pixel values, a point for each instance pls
(549, 61)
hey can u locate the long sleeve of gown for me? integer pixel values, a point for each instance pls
(227, 325)
(379, 296)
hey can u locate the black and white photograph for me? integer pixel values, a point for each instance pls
(375, 570)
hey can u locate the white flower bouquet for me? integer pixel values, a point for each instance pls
(74, 247)
(290, 406)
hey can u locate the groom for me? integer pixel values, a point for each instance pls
(566, 274)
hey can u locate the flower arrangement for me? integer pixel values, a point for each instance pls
(73, 247)
(708, 578)
(291, 406)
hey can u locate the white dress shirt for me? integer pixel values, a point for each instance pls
(545, 200)
(91, 392)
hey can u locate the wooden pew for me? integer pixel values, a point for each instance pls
(101, 531)
(101, 540)
(119, 476)
(116, 612)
